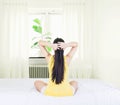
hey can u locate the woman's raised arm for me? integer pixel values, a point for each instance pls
(72, 51)
(43, 44)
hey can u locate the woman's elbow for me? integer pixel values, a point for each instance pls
(40, 42)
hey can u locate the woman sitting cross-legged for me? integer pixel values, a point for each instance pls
(58, 84)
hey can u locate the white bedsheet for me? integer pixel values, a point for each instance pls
(90, 92)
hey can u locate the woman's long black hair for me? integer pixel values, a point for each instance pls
(58, 68)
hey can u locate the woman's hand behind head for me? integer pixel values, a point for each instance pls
(62, 45)
(54, 46)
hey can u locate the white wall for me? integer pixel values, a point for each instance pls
(106, 40)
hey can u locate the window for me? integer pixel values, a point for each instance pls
(51, 21)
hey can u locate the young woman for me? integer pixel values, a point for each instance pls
(58, 84)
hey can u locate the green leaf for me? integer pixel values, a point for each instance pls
(49, 49)
(37, 29)
(35, 43)
(48, 37)
(38, 37)
(37, 21)
(47, 34)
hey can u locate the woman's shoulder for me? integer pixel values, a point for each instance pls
(65, 59)
(50, 58)
(65, 56)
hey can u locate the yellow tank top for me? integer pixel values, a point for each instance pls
(62, 89)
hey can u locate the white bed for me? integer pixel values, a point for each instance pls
(90, 92)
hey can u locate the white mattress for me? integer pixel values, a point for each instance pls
(90, 92)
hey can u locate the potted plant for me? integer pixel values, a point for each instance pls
(44, 36)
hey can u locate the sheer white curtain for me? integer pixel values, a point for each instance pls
(13, 39)
(74, 30)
